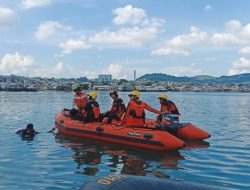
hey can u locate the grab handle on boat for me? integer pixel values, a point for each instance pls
(148, 136)
(99, 129)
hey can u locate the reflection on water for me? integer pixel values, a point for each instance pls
(195, 144)
(90, 155)
(27, 139)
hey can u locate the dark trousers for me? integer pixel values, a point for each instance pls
(110, 116)
(75, 114)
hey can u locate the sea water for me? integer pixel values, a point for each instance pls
(52, 161)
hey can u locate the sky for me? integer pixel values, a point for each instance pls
(76, 38)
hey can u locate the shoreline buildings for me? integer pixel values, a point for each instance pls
(106, 83)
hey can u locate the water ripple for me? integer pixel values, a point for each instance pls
(51, 161)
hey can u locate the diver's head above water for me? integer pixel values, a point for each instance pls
(29, 131)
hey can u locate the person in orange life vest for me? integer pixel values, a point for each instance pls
(167, 106)
(131, 98)
(80, 100)
(135, 114)
(92, 109)
(117, 109)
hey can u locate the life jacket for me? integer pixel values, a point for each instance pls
(96, 110)
(92, 110)
(135, 115)
(118, 106)
(80, 100)
(170, 107)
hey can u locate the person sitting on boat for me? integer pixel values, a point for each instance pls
(80, 100)
(135, 113)
(117, 109)
(92, 110)
(167, 106)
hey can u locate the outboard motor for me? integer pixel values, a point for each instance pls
(173, 118)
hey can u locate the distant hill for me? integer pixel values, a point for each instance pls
(237, 79)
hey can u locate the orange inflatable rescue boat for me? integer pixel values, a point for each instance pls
(145, 138)
(185, 131)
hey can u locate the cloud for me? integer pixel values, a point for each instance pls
(126, 37)
(48, 29)
(8, 18)
(245, 33)
(235, 34)
(154, 22)
(226, 39)
(28, 4)
(62, 70)
(129, 15)
(183, 71)
(88, 74)
(174, 46)
(195, 37)
(73, 45)
(57, 71)
(233, 25)
(115, 70)
(25, 65)
(245, 50)
(16, 64)
(143, 31)
(120, 70)
(208, 8)
(210, 58)
(170, 52)
(240, 66)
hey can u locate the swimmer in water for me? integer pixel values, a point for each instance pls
(29, 131)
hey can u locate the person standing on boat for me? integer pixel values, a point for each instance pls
(131, 98)
(80, 100)
(168, 107)
(92, 110)
(135, 113)
(117, 109)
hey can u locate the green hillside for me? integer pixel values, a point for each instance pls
(236, 79)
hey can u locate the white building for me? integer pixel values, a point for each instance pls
(105, 78)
